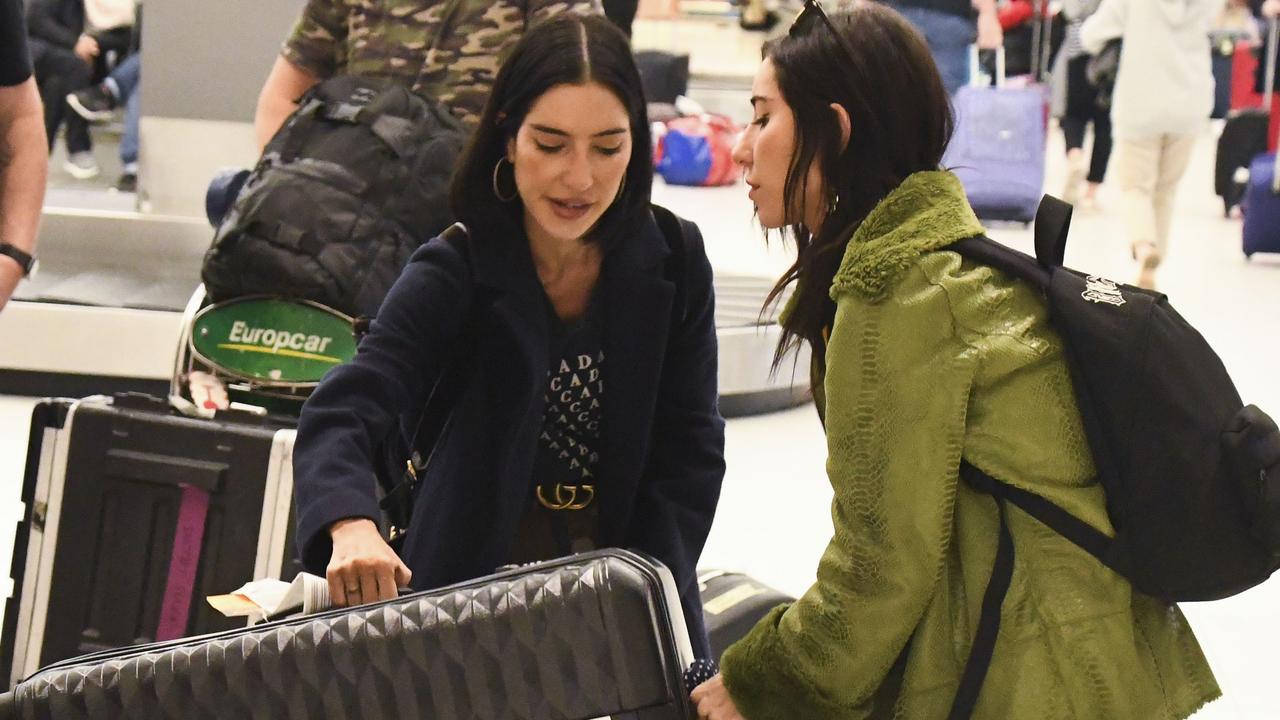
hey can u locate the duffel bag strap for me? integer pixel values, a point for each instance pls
(397, 503)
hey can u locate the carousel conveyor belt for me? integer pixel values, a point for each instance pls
(106, 310)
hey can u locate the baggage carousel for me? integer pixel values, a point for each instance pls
(105, 311)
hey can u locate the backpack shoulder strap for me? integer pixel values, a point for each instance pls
(985, 251)
(1053, 220)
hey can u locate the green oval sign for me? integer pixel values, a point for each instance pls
(272, 340)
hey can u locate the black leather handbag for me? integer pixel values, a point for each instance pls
(589, 636)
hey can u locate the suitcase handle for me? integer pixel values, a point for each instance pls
(1268, 88)
(1273, 30)
(975, 63)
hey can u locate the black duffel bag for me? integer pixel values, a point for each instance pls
(355, 180)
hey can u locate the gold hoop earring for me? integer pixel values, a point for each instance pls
(496, 191)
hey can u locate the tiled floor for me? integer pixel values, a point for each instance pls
(774, 521)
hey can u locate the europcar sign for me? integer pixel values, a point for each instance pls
(274, 341)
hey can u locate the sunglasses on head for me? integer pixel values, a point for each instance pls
(810, 17)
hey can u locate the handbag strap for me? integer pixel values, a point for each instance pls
(439, 406)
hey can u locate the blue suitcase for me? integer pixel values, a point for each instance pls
(1262, 207)
(998, 149)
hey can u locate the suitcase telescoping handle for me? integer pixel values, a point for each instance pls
(975, 64)
(1273, 30)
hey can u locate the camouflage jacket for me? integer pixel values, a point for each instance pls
(446, 49)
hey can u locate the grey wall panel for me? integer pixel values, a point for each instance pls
(207, 60)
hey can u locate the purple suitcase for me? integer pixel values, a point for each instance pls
(998, 148)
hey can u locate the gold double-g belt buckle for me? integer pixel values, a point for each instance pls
(572, 503)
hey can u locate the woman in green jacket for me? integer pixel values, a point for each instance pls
(922, 359)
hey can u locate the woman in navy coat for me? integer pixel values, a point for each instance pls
(585, 414)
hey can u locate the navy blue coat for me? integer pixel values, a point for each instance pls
(662, 443)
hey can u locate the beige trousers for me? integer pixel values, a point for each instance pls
(1148, 170)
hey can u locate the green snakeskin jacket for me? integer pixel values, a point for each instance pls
(930, 359)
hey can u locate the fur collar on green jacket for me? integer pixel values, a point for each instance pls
(926, 212)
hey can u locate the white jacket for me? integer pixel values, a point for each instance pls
(1165, 81)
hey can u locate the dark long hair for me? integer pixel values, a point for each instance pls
(566, 49)
(901, 123)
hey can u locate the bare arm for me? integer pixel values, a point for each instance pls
(990, 35)
(286, 83)
(23, 167)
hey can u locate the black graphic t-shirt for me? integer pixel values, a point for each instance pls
(569, 443)
(564, 471)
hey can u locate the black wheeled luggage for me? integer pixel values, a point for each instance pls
(588, 636)
(133, 515)
(732, 604)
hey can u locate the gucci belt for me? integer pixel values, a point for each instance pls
(566, 497)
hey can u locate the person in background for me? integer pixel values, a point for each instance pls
(23, 159)
(98, 103)
(622, 13)
(922, 360)
(585, 415)
(449, 50)
(1160, 106)
(74, 43)
(950, 27)
(1266, 10)
(1082, 109)
(1238, 17)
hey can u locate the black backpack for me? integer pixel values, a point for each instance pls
(355, 180)
(1191, 475)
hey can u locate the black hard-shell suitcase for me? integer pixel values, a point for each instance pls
(133, 515)
(732, 604)
(588, 636)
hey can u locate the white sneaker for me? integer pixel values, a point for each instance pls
(1076, 172)
(81, 166)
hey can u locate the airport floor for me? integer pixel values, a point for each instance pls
(774, 520)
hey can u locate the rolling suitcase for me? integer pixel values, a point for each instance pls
(998, 149)
(732, 604)
(1261, 204)
(1261, 207)
(133, 515)
(1244, 64)
(1244, 136)
(588, 636)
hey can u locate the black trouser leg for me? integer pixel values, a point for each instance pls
(1073, 131)
(58, 72)
(1101, 146)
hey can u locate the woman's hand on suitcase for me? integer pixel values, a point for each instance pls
(713, 701)
(363, 568)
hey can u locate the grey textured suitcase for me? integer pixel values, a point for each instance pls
(133, 514)
(590, 636)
